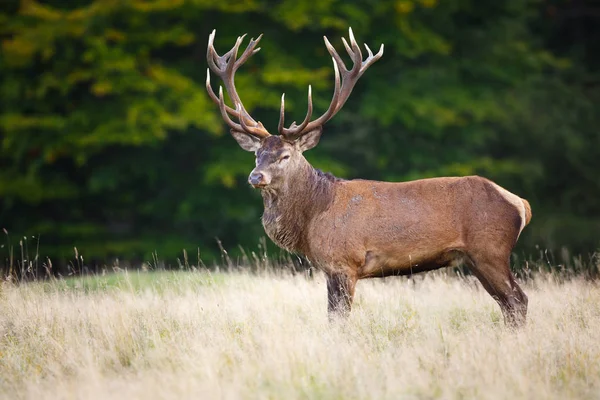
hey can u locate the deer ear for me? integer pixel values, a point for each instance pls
(246, 142)
(309, 140)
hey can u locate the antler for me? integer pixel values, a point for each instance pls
(341, 90)
(225, 67)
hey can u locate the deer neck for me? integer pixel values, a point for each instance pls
(290, 208)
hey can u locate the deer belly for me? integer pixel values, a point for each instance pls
(381, 264)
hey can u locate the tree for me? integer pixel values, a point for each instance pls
(110, 143)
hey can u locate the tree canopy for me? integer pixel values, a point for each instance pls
(110, 143)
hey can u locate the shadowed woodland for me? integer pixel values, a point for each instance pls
(110, 143)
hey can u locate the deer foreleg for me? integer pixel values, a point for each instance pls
(340, 293)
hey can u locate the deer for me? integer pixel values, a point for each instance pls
(357, 229)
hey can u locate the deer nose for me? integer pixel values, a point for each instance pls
(257, 179)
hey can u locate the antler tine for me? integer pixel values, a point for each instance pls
(342, 89)
(225, 67)
(294, 132)
(352, 39)
(231, 60)
(368, 51)
(224, 114)
(356, 54)
(257, 130)
(239, 109)
(213, 96)
(371, 59)
(334, 54)
(249, 51)
(355, 72)
(295, 129)
(348, 48)
(213, 58)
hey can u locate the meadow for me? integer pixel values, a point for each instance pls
(201, 334)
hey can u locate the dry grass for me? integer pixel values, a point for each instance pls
(197, 335)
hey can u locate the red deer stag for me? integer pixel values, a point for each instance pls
(355, 229)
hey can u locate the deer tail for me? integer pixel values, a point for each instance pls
(527, 211)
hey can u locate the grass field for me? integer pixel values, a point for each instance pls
(184, 335)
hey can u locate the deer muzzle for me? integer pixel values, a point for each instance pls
(259, 179)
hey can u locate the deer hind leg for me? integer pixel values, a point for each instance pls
(340, 293)
(495, 276)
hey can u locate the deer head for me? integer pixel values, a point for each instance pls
(279, 157)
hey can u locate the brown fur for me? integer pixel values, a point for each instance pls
(356, 229)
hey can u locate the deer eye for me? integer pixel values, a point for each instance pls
(286, 157)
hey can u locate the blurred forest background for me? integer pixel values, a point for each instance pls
(110, 143)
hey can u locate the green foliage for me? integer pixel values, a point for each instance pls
(110, 143)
